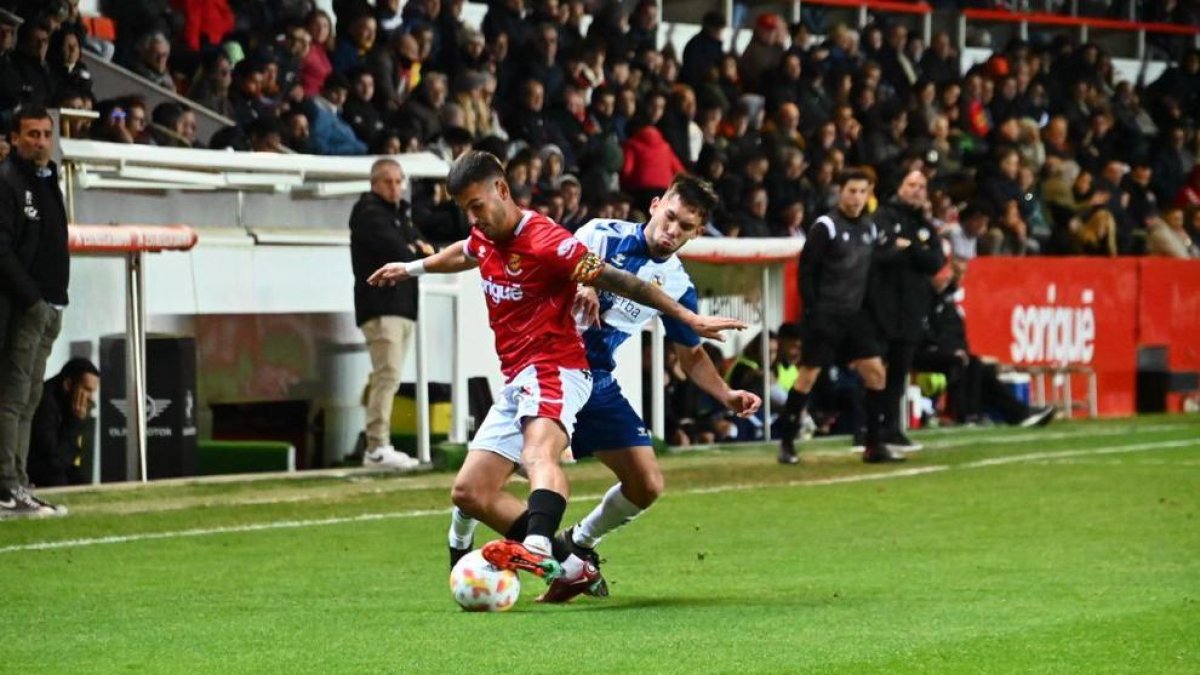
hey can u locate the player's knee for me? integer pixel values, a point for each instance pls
(645, 490)
(468, 498)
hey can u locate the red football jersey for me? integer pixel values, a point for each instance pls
(529, 283)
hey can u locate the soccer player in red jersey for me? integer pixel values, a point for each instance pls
(530, 268)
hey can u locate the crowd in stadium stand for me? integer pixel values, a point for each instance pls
(1040, 150)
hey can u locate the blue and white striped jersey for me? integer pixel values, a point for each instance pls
(623, 245)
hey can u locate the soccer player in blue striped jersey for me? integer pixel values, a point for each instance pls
(607, 426)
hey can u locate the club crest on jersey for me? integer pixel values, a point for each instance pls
(513, 266)
(567, 247)
(845, 236)
(499, 293)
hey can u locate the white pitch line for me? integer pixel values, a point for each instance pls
(366, 517)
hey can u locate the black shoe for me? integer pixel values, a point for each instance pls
(457, 554)
(898, 442)
(1039, 417)
(880, 453)
(20, 503)
(600, 588)
(787, 449)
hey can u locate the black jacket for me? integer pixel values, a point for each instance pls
(56, 439)
(947, 331)
(901, 291)
(35, 264)
(835, 263)
(380, 233)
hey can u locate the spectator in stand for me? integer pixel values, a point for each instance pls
(650, 165)
(174, 125)
(210, 88)
(940, 63)
(763, 54)
(137, 119)
(297, 44)
(1189, 194)
(1169, 237)
(10, 77)
(504, 18)
(295, 132)
(358, 111)
(317, 64)
(752, 220)
(246, 99)
(205, 22)
(1095, 235)
(33, 43)
(397, 71)
(154, 54)
(423, 109)
(330, 134)
(703, 52)
(67, 70)
(355, 46)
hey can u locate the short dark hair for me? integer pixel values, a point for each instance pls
(167, 113)
(695, 192)
(853, 174)
(77, 368)
(29, 112)
(475, 166)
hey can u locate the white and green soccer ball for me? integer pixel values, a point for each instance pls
(479, 586)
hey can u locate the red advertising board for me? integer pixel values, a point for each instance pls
(1169, 311)
(1030, 311)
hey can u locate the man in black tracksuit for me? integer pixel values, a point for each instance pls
(381, 232)
(834, 268)
(900, 292)
(35, 270)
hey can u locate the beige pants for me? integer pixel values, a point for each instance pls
(387, 341)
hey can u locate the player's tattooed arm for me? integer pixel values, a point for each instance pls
(703, 372)
(449, 260)
(626, 285)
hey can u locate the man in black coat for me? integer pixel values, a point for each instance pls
(35, 270)
(57, 441)
(900, 291)
(382, 232)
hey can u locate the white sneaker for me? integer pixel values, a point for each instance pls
(387, 457)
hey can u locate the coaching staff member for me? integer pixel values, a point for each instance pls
(834, 269)
(382, 232)
(901, 292)
(35, 269)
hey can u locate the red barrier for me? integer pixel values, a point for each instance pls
(1061, 311)
(1041, 19)
(130, 238)
(1169, 309)
(875, 5)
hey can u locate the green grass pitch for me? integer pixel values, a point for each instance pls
(1073, 549)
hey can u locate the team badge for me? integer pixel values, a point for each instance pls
(31, 211)
(513, 266)
(845, 236)
(923, 235)
(567, 247)
(896, 228)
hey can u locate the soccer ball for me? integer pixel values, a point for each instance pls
(479, 586)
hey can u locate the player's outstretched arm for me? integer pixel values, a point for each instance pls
(449, 260)
(629, 286)
(703, 372)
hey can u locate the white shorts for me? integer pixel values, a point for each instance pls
(536, 391)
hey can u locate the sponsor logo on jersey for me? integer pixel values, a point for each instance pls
(513, 266)
(498, 293)
(658, 279)
(567, 247)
